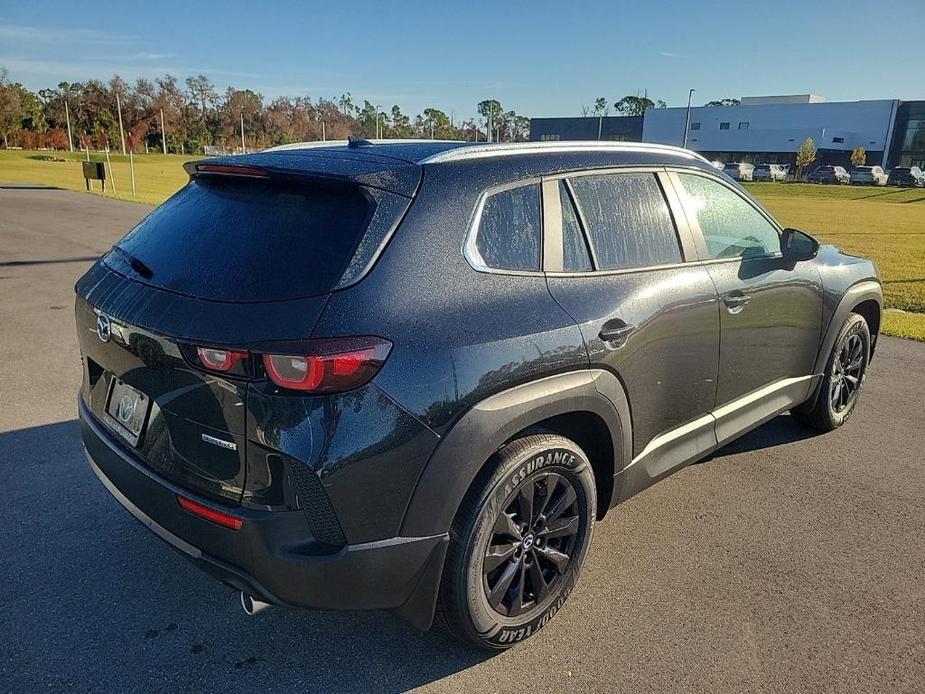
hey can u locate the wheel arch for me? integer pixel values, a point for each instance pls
(864, 297)
(588, 406)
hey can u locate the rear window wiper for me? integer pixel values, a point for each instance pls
(136, 264)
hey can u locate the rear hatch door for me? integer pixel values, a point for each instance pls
(229, 262)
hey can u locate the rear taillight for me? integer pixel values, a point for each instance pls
(209, 513)
(330, 365)
(219, 359)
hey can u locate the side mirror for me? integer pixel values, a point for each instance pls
(797, 245)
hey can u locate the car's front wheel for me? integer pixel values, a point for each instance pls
(844, 375)
(518, 542)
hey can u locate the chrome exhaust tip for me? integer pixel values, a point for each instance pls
(251, 605)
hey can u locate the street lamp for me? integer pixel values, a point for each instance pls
(687, 121)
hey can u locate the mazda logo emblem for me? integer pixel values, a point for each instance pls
(126, 409)
(103, 327)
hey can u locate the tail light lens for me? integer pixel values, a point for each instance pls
(331, 366)
(219, 359)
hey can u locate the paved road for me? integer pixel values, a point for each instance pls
(788, 562)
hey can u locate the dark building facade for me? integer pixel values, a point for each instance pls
(908, 143)
(612, 128)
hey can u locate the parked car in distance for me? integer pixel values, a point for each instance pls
(769, 172)
(739, 171)
(829, 174)
(868, 176)
(413, 376)
(907, 177)
(716, 164)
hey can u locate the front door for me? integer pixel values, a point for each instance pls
(770, 309)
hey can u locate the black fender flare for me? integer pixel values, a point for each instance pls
(482, 430)
(862, 291)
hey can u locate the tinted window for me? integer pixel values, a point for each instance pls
(575, 256)
(731, 226)
(628, 220)
(508, 237)
(246, 240)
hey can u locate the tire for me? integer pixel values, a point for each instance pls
(493, 553)
(843, 378)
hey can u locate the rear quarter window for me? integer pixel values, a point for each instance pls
(246, 240)
(508, 232)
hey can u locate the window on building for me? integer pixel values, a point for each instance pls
(731, 226)
(575, 255)
(838, 140)
(508, 236)
(724, 126)
(695, 126)
(628, 220)
(548, 137)
(743, 125)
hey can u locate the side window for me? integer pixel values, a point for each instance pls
(508, 237)
(731, 226)
(575, 256)
(628, 220)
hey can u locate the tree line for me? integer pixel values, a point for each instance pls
(194, 114)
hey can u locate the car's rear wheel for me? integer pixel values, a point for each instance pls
(844, 375)
(518, 542)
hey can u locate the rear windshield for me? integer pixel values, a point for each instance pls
(246, 240)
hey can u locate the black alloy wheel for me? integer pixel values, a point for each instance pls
(532, 545)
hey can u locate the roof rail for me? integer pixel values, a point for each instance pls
(500, 149)
(343, 143)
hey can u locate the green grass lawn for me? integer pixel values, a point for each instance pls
(157, 176)
(886, 224)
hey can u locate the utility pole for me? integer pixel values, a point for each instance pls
(324, 137)
(163, 133)
(67, 116)
(687, 120)
(243, 149)
(121, 130)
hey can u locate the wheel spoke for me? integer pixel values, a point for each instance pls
(506, 526)
(497, 555)
(851, 379)
(537, 581)
(558, 559)
(504, 583)
(561, 527)
(517, 604)
(562, 503)
(525, 503)
(552, 483)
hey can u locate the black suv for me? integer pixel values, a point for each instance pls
(906, 177)
(412, 376)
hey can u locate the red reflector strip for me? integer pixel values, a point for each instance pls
(210, 514)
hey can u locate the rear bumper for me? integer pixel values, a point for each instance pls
(273, 555)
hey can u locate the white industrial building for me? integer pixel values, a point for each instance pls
(772, 128)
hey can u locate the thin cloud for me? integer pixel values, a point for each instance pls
(669, 54)
(18, 33)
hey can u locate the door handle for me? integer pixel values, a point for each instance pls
(615, 332)
(736, 301)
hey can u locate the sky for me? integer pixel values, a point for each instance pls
(539, 58)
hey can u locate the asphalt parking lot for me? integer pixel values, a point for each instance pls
(787, 562)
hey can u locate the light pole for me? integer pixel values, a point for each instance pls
(687, 121)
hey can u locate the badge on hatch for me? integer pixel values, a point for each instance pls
(103, 327)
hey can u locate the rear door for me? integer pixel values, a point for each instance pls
(770, 310)
(619, 264)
